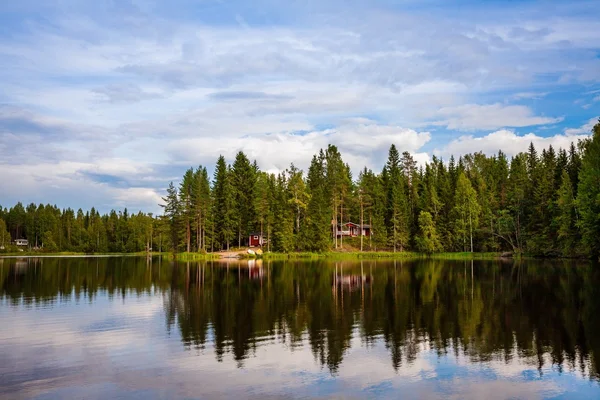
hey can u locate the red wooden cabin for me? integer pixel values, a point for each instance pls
(255, 239)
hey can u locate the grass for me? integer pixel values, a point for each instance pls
(348, 254)
(65, 253)
(378, 255)
(190, 256)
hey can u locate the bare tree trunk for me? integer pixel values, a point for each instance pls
(189, 236)
(335, 224)
(471, 229)
(361, 225)
(370, 230)
(342, 223)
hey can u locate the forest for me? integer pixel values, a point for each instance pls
(541, 202)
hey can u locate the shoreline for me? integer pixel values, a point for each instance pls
(241, 254)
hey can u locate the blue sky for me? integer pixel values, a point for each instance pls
(103, 103)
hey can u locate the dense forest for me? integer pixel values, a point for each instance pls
(544, 203)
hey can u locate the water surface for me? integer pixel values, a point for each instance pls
(100, 328)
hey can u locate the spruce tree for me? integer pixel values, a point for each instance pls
(172, 212)
(243, 181)
(566, 218)
(186, 201)
(223, 205)
(316, 230)
(588, 194)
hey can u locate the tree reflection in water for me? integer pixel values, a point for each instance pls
(541, 312)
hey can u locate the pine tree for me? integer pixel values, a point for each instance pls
(566, 218)
(338, 183)
(243, 181)
(397, 205)
(186, 201)
(298, 198)
(283, 226)
(201, 205)
(588, 194)
(4, 235)
(316, 230)
(172, 212)
(223, 205)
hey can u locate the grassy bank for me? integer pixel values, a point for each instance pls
(333, 255)
(190, 256)
(379, 255)
(69, 254)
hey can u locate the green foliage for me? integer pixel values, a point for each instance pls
(315, 233)
(4, 235)
(427, 241)
(588, 198)
(566, 218)
(224, 205)
(466, 212)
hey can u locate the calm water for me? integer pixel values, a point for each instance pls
(99, 328)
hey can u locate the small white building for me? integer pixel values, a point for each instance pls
(22, 242)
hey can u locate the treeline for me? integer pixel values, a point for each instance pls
(48, 228)
(542, 203)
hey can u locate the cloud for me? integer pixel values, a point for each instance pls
(492, 116)
(362, 144)
(509, 142)
(125, 93)
(585, 129)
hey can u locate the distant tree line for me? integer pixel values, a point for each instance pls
(49, 228)
(544, 204)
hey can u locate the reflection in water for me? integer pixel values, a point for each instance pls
(416, 320)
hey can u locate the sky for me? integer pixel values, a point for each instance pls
(103, 103)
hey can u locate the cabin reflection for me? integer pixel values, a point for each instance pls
(352, 282)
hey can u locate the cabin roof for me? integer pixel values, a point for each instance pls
(353, 224)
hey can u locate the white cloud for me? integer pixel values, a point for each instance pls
(507, 141)
(363, 144)
(492, 116)
(584, 129)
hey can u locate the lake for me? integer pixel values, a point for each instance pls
(128, 327)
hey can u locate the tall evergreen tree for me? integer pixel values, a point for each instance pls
(588, 194)
(172, 212)
(187, 190)
(223, 205)
(566, 219)
(243, 181)
(398, 223)
(316, 230)
(4, 235)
